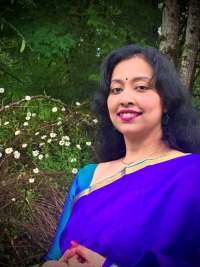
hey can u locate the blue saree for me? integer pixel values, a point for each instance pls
(148, 214)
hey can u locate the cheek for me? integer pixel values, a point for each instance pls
(110, 104)
(152, 103)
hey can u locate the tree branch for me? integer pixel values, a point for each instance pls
(38, 96)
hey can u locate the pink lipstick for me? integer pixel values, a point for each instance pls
(127, 115)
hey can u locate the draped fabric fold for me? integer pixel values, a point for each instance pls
(148, 209)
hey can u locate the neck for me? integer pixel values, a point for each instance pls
(141, 148)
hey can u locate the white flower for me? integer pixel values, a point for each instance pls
(88, 143)
(25, 123)
(34, 114)
(78, 104)
(53, 135)
(67, 143)
(95, 120)
(59, 123)
(28, 97)
(7, 106)
(16, 155)
(32, 180)
(28, 114)
(2, 90)
(74, 170)
(41, 144)
(36, 170)
(49, 140)
(3, 183)
(6, 122)
(40, 156)
(46, 155)
(54, 109)
(78, 146)
(1, 154)
(8, 150)
(35, 153)
(43, 136)
(63, 109)
(28, 118)
(61, 143)
(17, 132)
(13, 199)
(66, 138)
(24, 145)
(73, 160)
(37, 133)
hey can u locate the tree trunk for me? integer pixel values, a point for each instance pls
(191, 42)
(169, 29)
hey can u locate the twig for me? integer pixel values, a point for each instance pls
(16, 250)
(41, 96)
(2, 104)
(34, 256)
(8, 260)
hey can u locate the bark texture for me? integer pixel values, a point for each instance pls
(169, 29)
(191, 42)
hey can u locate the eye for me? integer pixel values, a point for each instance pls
(115, 90)
(142, 87)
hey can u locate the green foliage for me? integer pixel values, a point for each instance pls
(51, 41)
(63, 43)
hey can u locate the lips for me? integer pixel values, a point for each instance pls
(127, 115)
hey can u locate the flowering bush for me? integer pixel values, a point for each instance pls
(35, 175)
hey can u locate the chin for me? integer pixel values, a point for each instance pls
(128, 132)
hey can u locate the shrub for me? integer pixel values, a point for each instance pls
(44, 143)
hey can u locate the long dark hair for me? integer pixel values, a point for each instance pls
(183, 130)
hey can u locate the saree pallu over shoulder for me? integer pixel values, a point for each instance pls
(123, 172)
(81, 181)
(152, 208)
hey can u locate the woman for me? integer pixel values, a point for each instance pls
(141, 206)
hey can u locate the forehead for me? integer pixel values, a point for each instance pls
(131, 68)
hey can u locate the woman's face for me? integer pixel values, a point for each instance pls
(135, 109)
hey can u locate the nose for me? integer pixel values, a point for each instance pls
(127, 98)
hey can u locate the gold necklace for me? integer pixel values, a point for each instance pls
(143, 157)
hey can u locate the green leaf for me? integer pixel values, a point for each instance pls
(12, 1)
(2, 26)
(23, 46)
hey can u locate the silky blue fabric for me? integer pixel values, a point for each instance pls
(81, 182)
(148, 216)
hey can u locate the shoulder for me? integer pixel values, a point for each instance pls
(107, 165)
(192, 159)
(89, 168)
(187, 168)
(185, 163)
(84, 177)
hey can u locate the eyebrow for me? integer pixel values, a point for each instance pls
(133, 80)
